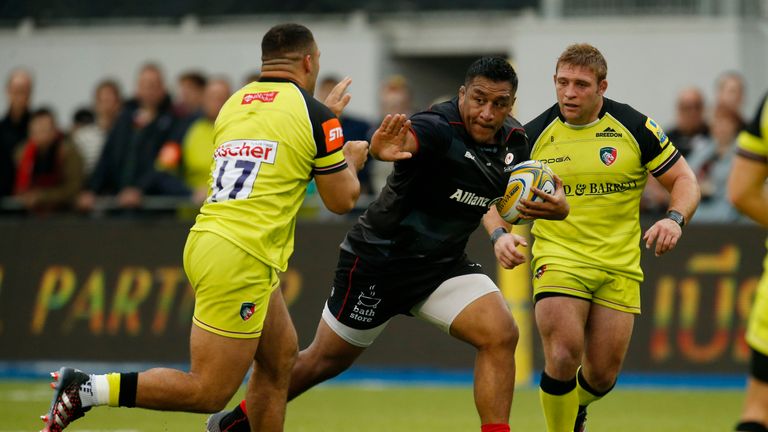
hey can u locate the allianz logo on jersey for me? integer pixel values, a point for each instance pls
(609, 132)
(470, 198)
(256, 150)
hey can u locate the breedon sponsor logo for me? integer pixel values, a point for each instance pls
(609, 132)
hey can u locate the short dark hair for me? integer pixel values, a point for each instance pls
(83, 116)
(196, 78)
(285, 39)
(43, 112)
(494, 68)
(110, 84)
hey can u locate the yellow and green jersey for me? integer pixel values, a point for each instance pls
(270, 138)
(753, 142)
(604, 166)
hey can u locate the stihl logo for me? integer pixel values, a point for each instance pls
(335, 133)
(334, 136)
(265, 97)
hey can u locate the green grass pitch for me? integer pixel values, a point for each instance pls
(343, 408)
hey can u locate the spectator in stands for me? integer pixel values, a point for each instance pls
(49, 171)
(690, 131)
(394, 98)
(730, 93)
(90, 138)
(14, 126)
(197, 148)
(134, 143)
(711, 163)
(188, 102)
(691, 125)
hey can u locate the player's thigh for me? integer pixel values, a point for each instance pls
(278, 344)
(469, 307)
(362, 301)
(757, 328)
(608, 333)
(232, 288)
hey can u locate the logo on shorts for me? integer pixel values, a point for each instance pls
(540, 271)
(246, 310)
(365, 308)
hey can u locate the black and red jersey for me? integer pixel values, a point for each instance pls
(433, 202)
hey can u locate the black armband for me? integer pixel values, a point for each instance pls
(497, 233)
(676, 216)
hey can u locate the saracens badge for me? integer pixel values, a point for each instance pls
(608, 155)
(509, 158)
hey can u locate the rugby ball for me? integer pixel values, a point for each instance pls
(523, 177)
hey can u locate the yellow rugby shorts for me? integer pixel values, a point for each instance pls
(232, 287)
(598, 286)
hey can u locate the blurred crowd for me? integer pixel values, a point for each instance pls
(151, 151)
(706, 135)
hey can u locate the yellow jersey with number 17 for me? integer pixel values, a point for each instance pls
(270, 138)
(604, 166)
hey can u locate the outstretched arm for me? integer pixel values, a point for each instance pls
(393, 140)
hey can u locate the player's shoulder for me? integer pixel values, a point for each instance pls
(535, 127)
(625, 114)
(446, 112)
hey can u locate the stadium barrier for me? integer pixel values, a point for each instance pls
(113, 290)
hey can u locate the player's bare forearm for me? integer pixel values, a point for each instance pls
(339, 191)
(684, 193)
(492, 220)
(684, 196)
(504, 243)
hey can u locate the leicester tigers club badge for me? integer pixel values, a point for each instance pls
(608, 155)
(246, 311)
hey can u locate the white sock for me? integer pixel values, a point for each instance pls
(95, 391)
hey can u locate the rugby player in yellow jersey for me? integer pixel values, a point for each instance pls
(587, 267)
(748, 193)
(271, 138)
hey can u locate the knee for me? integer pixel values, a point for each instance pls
(601, 381)
(564, 356)
(501, 338)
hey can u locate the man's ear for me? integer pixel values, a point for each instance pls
(602, 87)
(306, 63)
